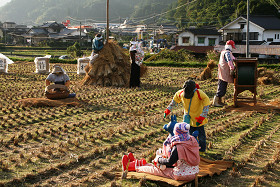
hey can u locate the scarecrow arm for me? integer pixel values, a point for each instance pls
(171, 160)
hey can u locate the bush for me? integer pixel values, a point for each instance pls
(164, 63)
(147, 55)
(213, 55)
(181, 55)
(75, 50)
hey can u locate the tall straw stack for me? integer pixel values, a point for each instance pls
(110, 68)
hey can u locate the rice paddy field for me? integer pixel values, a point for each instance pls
(83, 145)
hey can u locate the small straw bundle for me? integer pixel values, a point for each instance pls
(207, 72)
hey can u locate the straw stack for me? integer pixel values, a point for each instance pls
(110, 68)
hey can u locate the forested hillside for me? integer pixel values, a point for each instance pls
(183, 13)
(38, 11)
(216, 12)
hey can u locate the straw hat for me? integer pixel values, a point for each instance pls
(57, 69)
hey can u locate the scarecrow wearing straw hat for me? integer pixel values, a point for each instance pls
(61, 81)
(58, 76)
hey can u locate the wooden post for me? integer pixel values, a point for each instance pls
(107, 29)
(248, 31)
(80, 34)
(196, 180)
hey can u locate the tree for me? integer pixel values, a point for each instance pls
(75, 50)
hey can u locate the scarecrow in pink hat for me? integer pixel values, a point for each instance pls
(183, 162)
(225, 73)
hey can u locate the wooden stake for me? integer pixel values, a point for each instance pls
(196, 180)
(107, 29)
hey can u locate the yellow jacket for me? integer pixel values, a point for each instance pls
(197, 104)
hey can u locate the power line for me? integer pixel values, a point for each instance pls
(150, 17)
(135, 19)
(274, 4)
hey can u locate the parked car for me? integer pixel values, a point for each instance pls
(64, 57)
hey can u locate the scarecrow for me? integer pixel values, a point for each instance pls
(196, 106)
(136, 56)
(60, 88)
(226, 71)
(97, 45)
(182, 164)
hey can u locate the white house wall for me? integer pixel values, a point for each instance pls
(1, 33)
(206, 40)
(77, 33)
(193, 41)
(271, 34)
(263, 34)
(186, 34)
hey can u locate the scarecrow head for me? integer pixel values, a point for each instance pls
(57, 69)
(189, 88)
(230, 44)
(98, 36)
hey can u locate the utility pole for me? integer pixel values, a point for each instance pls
(120, 29)
(80, 33)
(248, 33)
(5, 36)
(107, 15)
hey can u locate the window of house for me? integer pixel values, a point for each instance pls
(186, 40)
(212, 41)
(270, 39)
(277, 36)
(253, 36)
(201, 40)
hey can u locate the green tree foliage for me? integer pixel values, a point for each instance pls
(39, 11)
(216, 12)
(75, 50)
(189, 12)
(181, 55)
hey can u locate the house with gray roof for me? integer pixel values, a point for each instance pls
(70, 35)
(199, 37)
(198, 40)
(35, 35)
(263, 29)
(54, 31)
(11, 31)
(53, 27)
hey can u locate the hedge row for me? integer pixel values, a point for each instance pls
(52, 60)
(193, 64)
(197, 64)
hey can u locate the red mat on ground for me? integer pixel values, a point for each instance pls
(39, 102)
(206, 167)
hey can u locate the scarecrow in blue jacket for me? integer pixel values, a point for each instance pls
(97, 45)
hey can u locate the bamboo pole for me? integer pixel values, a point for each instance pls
(107, 15)
(248, 31)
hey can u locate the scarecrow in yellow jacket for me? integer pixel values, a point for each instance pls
(196, 106)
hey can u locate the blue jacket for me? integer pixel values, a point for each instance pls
(97, 45)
